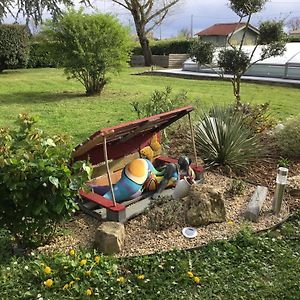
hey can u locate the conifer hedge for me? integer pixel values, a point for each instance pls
(14, 46)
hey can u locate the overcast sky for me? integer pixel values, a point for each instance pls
(199, 14)
(196, 15)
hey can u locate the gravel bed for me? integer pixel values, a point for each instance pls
(140, 240)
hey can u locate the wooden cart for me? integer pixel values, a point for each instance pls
(110, 149)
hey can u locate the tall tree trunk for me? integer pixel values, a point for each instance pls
(146, 51)
(236, 84)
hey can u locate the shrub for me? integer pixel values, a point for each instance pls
(289, 138)
(40, 56)
(223, 139)
(14, 46)
(256, 117)
(202, 52)
(37, 183)
(166, 47)
(89, 46)
(164, 214)
(159, 102)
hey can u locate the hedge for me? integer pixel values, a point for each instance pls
(166, 47)
(39, 56)
(14, 46)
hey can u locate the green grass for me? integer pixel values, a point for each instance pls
(62, 106)
(265, 266)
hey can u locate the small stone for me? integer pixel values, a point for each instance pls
(110, 237)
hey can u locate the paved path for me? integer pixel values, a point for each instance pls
(211, 76)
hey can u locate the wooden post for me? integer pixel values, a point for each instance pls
(193, 139)
(107, 170)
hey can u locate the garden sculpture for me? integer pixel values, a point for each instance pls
(140, 175)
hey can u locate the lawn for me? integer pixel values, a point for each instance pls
(62, 106)
(250, 266)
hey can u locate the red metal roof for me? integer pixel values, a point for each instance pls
(223, 29)
(126, 138)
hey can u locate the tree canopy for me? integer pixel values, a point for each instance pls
(146, 15)
(33, 9)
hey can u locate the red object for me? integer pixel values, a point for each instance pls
(103, 202)
(224, 29)
(126, 138)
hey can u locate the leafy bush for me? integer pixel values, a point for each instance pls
(159, 102)
(164, 213)
(223, 139)
(255, 116)
(289, 138)
(37, 183)
(233, 61)
(14, 46)
(40, 56)
(202, 52)
(89, 46)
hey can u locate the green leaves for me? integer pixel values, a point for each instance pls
(88, 46)
(38, 185)
(223, 139)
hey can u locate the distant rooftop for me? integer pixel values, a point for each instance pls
(224, 29)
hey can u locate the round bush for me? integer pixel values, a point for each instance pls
(289, 138)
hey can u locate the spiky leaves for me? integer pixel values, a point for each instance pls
(223, 139)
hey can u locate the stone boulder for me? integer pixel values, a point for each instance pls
(293, 186)
(204, 205)
(110, 237)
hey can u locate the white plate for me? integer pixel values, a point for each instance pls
(189, 232)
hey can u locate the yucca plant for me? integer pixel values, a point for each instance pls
(222, 139)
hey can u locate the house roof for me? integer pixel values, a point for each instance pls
(224, 29)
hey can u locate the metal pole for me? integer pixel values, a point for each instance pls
(108, 172)
(193, 139)
(281, 181)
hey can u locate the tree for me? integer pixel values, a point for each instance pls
(33, 9)
(235, 60)
(89, 46)
(146, 15)
(293, 23)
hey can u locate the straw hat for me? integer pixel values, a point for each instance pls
(137, 170)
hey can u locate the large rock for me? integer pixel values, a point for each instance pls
(204, 205)
(293, 186)
(110, 237)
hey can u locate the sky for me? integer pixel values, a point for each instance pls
(196, 15)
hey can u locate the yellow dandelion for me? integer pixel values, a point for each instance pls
(89, 292)
(197, 280)
(77, 278)
(230, 222)
(72, 252)
(97, 259)
(88, 273)
(83, 262)
(121, 279)
(190, 274)
(141, 277)
(71, 283)
(48, 282)
(47, 270)
(66, 286)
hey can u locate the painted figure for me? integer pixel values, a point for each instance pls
(140, 175)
